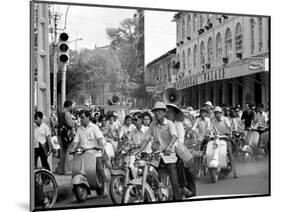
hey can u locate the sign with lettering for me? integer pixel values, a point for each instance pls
(200, 78)
(150, 89)
(256, 64)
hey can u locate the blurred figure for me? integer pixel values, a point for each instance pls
(42, 141)
(147, 118)
(210, 112)
(248, 116)
(127, 127)
(65, 137)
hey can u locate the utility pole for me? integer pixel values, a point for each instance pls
(55, 56)
(63, 82)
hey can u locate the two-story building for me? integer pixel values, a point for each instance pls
(222, 58)
(160, 74)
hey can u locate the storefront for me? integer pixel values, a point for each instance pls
(244, 82)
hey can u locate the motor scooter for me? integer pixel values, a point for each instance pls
(216, 157)
(85, 176)
(252, 147)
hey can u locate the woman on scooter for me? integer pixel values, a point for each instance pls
(186, 176)
(221, 126)
(89, 136)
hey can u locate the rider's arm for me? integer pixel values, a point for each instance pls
(76, 141)
(174, 134)
(195, 125)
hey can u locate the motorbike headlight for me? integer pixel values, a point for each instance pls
(139, 172)
(215, 145)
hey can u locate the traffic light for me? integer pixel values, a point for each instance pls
(63, 47)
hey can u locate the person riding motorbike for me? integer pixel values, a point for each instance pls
(202, 127)
(221, 126)
(165, 136)
(186, 176)
(89, 136)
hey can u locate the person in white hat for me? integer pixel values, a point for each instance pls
(186, 176)
(164, 134)
(209, 107)
(221, 126)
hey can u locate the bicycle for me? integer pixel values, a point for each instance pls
(46, 188)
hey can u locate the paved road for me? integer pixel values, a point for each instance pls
(252, 179)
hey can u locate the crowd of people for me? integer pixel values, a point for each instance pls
(164, 127)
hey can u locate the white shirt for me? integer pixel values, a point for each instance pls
(261, 119)
(126, 130)
(221, 127)
(40, 134)
(88, 137)
(137, 137)
(161, 132)
(180, 131)
(202, 127)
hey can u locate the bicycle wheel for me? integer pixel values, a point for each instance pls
(46, 181)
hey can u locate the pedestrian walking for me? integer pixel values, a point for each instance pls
(42, 141)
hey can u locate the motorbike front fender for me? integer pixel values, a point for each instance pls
(80, 179)
(115, 172)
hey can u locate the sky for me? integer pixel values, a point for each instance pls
(160, 34)
(90, 23)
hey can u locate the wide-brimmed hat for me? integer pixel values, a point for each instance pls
(159, 106)
(115, 114)
(218, 109)
(177, 109)
(209, 103)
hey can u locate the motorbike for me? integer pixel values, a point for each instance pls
(152, 182)
(252, 147)
(239, 138)
(216, 157)
(121, 175)
(195, 148)
(85, 176)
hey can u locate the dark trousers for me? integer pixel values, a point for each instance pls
(172, 171)
(186, 177)
(100, 169)
(39, 152)
(65, 158)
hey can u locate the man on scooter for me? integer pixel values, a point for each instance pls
(221, 126)
(164, 132)
(89, 136)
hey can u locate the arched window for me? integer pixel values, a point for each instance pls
(218, 46)
(228, 43)
(188, 25)
(252, 34)
(202, 53)
(183, 29)
(238, 38)
(189, 65)
(194, 22)
(210, 49)
(195, 56)
(260, 34)
(183, 61)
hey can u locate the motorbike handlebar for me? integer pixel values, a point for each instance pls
(82, 150)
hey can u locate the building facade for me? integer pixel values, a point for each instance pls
(223, 59)
(160, 75)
